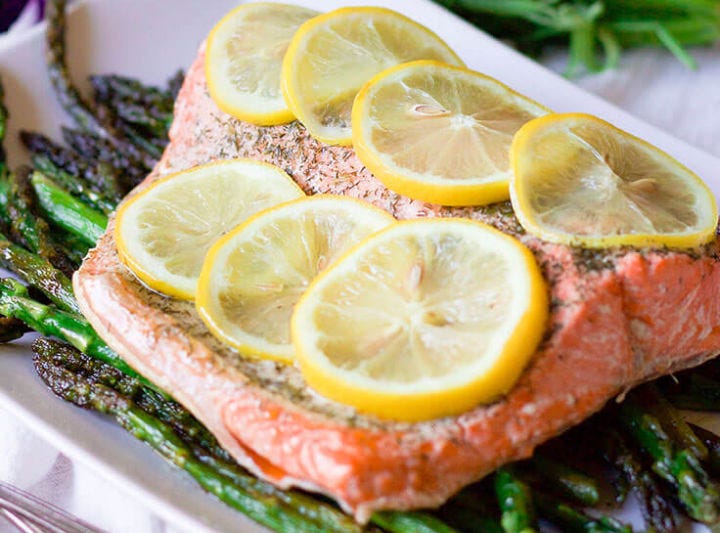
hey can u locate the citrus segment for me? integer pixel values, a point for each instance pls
(439, 133)
(164, 232)
(332, 56)
(253, 277)
(579, 180)
(427, 318)
(243, 60)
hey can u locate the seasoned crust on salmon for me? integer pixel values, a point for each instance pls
(618, 317)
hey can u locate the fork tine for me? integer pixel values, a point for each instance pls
(42, 514)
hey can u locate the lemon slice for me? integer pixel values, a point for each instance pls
(164, 232)
(579, 180)
(243, 59)
(427, 318)
(252, 277)
(333, 55)
(439, 133)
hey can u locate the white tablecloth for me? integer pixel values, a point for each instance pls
(650, 84)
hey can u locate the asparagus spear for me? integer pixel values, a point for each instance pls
(69, 96)
(75, 187)
(39, 273)
(18, 205)
(515, 501)
(67, 212)
(175, 83)
(74, 248)
(70, 327)
(566, 479)
(264, 509)
(572, 519)
(471, 510)
(95, 148)
(404, 521)
(678, 466)
(712, 442)
(656, 508)
(97, 181)
(283, 510)
(112, 87)
(670, 419)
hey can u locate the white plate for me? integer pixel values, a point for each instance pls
(150, 39)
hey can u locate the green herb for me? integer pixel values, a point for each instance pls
(595, 31)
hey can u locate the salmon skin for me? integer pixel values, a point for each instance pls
(618, 317)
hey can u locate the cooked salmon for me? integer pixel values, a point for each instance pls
(618, 317)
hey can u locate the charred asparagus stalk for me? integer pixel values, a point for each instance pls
(678, 466)
(70, 97)
(571, 519)
(566, 480)
(39, 273)
(18, 204)
(96, 183)
(89, 383)
(656, 508)
(264, 509)
(67, 212)
(94, 148)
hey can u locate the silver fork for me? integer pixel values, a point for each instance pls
(30, 514)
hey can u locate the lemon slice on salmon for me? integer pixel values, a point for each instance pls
(579, 180)
(425, 319)
(243, 60)
(439, 133)
(333, 55)
(164, 232)
(252, 278)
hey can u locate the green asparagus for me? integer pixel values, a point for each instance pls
(70, 327)
(95, 182)
(264, 509)
(655, 506)
(39, 273)
(70, 97)
(712, 442)
(567, 480)
(670, 419)
(418, 522)
(515, 501)
(678, 466)
(571, 519)
(67, 212)
(25, 226)
(71, 184)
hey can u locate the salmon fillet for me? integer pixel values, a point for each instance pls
(618, 317)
